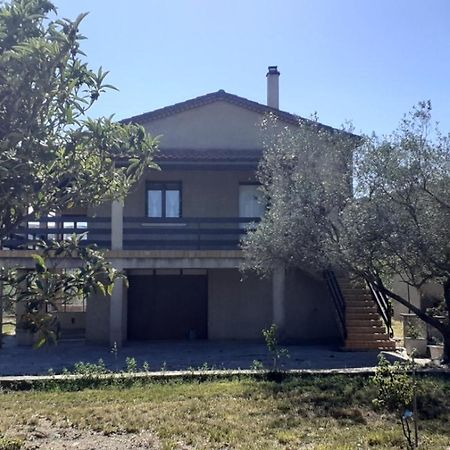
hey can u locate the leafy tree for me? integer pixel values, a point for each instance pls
(51, 285)
(53, 157)
(395, 223)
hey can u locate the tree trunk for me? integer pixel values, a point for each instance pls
(446, 356)
(1, 310)
(443, 327)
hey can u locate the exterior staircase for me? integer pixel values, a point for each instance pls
(365, 328)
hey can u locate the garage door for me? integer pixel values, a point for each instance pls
(167, 307)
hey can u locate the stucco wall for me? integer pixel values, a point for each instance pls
(71, 320)
(217, 125)
(310, 314)
(237, 309)
(205, 193)
(97, 319)
(241, 309)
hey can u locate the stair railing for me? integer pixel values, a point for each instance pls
(338, 300)
(383, 305)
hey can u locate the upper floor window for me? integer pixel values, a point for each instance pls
(163, 199)
(251, 201)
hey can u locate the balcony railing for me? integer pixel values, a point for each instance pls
(138, 233)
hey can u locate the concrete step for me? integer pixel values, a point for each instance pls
(357, 306)
(360, 303)
(358, 297)
(366, 328)
(354, 345)
(362, 322)
(367, 337)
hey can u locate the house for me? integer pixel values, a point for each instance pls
(176, 236)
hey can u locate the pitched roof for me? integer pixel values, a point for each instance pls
(221, 95)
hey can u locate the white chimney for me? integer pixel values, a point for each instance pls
(273, 96)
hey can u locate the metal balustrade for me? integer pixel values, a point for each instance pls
(139, 233)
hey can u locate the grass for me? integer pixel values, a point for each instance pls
(9, 325)
(333, 412)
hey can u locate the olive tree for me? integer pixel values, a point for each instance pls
(390, 220)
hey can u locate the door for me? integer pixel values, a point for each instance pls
(167, 307)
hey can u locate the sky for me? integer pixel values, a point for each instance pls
(363, 61)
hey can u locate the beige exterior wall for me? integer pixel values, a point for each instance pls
(71, 320)
(310, 313)
(205, 193)
(217, 125)
(240, 308)
(97, 319)
(237, 309)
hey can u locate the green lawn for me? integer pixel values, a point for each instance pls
(312, 413)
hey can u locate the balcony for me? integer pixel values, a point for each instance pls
(137, 233)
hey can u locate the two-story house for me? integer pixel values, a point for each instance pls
(176, 236)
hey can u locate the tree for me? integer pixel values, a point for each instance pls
(53, 157)
(394, 224)
(51, 284)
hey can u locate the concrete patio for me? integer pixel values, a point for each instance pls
(174, 355)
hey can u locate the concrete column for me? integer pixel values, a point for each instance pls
(117, 224)
(20, 305)
(116, 313)
(278, 298)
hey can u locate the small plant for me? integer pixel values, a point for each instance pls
(412, 330)
(146, 366)
(82, 368)
(397, 391)
(257, 365)
(10, 444)
(276, 352)
(131, 365)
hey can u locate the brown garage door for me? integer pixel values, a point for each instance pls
(167, 307)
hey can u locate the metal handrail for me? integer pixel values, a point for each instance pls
(383, 305)
(338, 299)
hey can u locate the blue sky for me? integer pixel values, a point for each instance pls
(360, 60)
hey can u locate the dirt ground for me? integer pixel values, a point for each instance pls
(46, 436)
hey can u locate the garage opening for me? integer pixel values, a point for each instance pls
(168, 306)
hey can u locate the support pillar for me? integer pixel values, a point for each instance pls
(278, 298)
(116, 315)
(117, 224)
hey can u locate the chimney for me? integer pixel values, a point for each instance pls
(272, 87)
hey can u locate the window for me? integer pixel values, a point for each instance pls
(251, 201)
(164, 199)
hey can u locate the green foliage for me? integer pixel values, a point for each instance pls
(376, 207)
(48, 287)
(397, 392)
(52, 156)
(131, 364)
(277, 353)
(82, 368)
(396, 387)
(10, 444)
